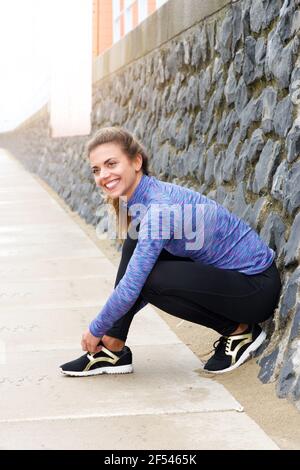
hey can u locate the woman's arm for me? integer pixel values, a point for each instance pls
(142, 261)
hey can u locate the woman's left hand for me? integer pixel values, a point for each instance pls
(90, 342)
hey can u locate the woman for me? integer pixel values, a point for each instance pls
(225, 278)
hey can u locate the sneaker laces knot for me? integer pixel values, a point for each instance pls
(217, 345)
(220, 343)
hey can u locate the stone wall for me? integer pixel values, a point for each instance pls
(216, 106)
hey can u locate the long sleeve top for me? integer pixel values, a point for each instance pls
(185, 223)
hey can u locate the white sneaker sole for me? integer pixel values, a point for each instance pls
(246, 355)
(103, 370)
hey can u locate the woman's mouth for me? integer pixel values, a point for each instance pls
(112, 184)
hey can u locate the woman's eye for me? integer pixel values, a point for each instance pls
(97, 171)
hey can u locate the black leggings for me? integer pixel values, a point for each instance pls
(219, 299)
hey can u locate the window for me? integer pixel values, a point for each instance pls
(143, 9)
(128, 16)
(116, 20)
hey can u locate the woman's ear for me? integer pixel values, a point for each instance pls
(138, 162)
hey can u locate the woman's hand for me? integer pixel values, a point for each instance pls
(90, 342)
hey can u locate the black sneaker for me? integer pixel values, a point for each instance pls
(232, 351)
(103, 362)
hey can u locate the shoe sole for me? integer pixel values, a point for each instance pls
(246, 355)
(104, 370)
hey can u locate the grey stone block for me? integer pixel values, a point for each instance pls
(208, 114)
(294, 89)
(200, 46)
(219, 92)
(187, 50)
(272, 11)
(292, 248)
(283, 116)
(160, 162)
(171, 130)
(224, 37)
(255, 145)
(183, 132)
(218, 167)
(257, 15)
(174, 59)
(262, 12)
(241, 162)
(203, 42)
(295, 330)
(289, 295)
(217, 70)
(296, 390)
(266, 166)
(241, 96)
(292, 194)
(230, 156)
(249, 60)
(196, 55)
(195, 158)
(230, 86)
(279, 59)
(246, 5)
(226, 126)
(237, 25)
(221, 194)
(278, 190)
(273, 232)
(260, 55)
(254, 217)
(199, 124)
(183, 99)
(204, 82)
(286, 377)
(238, 61)
(211, 32)
(286, 17)
(240, 207)
(251, 113)
(293, 143)
(209, 169)
(192, 97)
(212, 131)
(269, 98)
(171, 103)
(229, 201)
(267, 366)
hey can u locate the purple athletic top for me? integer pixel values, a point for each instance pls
(185, 223)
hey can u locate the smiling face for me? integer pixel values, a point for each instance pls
(114, 171)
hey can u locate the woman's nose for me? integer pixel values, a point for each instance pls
(104, 175)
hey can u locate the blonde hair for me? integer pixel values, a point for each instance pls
(131, 146)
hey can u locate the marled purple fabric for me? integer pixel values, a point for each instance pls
(228, 242)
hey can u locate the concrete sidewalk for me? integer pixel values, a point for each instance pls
(53, 282)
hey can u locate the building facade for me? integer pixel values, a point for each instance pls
(113, 19)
